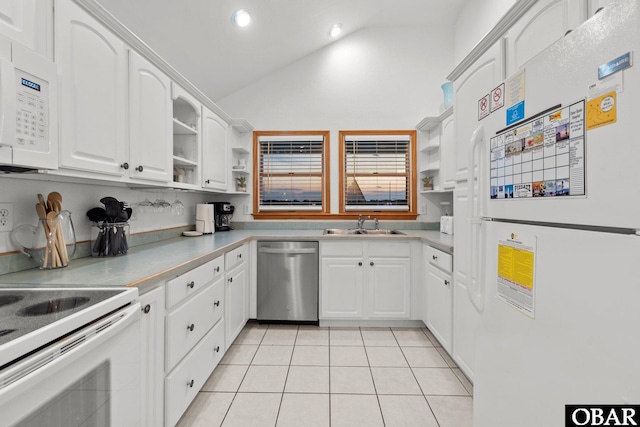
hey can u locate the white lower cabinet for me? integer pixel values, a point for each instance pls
(439, 298)
(237, 312)
(195, 331)
(365, 280)
(152, 357)
(185, 381)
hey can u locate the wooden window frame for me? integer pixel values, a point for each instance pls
(291, 213)
(411, 213)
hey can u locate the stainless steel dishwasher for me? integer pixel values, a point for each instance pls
(288, 282)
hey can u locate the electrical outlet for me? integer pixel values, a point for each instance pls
(6, 217)
(246, 209)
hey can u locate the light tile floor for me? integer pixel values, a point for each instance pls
(282, 375)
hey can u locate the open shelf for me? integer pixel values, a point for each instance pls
(180, 128)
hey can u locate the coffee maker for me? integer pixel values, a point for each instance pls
(222, 214)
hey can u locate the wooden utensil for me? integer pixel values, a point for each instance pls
(53, 231)
(42, 215)
(56, 207)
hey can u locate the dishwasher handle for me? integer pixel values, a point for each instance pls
(287, 251)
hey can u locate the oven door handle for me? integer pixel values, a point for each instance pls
(68, 349)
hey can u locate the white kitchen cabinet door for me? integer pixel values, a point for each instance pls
(236, 302)
(214, 151)
(448, 154)
(439, 305)
(342, 288)
(152, 357)
(465, 316)
(543, 24)
(473, 85)
(93, 97)
(29, 22)
(150, 124)
(389, 287)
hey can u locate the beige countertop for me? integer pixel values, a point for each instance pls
(147, 265)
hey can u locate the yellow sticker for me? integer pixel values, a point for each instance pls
(601, 111)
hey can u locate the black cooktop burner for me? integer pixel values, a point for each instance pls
(9, 299)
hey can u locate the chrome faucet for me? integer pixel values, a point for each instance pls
(361, 221)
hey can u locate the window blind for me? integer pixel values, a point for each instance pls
(290, 173)
(377, 173)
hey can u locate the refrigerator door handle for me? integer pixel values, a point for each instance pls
(475, 285)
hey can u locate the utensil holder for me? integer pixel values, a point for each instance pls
(109, 238)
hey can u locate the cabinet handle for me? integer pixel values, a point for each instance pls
(371, 263)
(446, 283)
(146, 309)
(190, 383)
(230, 279)
(139, 168)
(191, 284)
(218, 269)
(217, 349)
(207, 181)
(239, 255)
(217, 303)
(191, 327)
(360, 263)
(125, 166)
(435, 258)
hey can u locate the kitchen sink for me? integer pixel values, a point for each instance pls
(361, 232)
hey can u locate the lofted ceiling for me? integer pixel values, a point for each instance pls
(197, 38)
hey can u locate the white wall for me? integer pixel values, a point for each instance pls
(476, 19)
(383, 78)
(78, 198)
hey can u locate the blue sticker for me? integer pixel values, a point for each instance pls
(515, 113)
(615, 65)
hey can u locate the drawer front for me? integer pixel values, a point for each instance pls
(440, 259)
(341, 248)
(183, 384)
(235, 257)
(218, 267)
(390, 249)
(189, 323)
(189, 283)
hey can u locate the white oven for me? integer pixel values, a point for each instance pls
(88, 377)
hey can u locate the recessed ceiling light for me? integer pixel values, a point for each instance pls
(335, 31)
(241, 18)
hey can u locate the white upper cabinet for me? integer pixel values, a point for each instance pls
(150, 124)
(93, 97)
(214, 151)
(448, 154)
(186, 138)
(477, 81)
(546, 22)
(28, 22)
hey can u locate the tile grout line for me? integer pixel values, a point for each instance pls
(284, 386)
(375, 389)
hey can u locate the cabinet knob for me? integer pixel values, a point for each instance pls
(217, 349)
(446, 283)
(371, 263)
(208, 181)
(125, 166)
(230, 279)
(218, 269)
(146, 309)
(190, 383)
(217, 303)
(191, 284)
(360, 263)
(139, 168)
(239, 255)
(434, 257)
(191, 327)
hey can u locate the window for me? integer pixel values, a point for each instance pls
(290, 174)
(377, 172)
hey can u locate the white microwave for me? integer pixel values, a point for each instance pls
(28, 109)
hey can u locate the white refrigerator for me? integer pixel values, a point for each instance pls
(554, 245)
